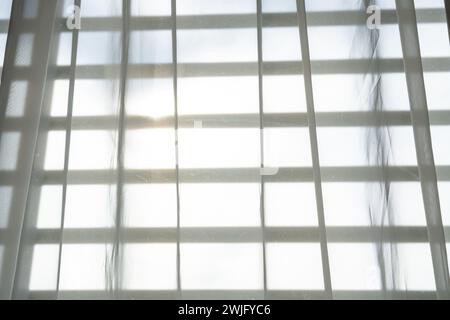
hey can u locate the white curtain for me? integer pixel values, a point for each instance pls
(216, 149)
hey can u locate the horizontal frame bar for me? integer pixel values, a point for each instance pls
(191, 70)
(231, 121)
(229, 175)
(349, 234)
(225, 21)
(235, 294)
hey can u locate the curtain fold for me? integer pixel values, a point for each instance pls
(215, 149)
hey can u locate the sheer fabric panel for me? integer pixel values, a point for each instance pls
(217, 149)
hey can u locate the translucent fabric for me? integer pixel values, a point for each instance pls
(215, 149)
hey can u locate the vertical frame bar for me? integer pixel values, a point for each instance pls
(37, 75)
(73, 64)
(177, 170)
(117, 252)
(261, 139)
(447, 11)
(304, 42)
(21, 289)
(412, 61)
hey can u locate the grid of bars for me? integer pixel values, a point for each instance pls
(316, 174)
